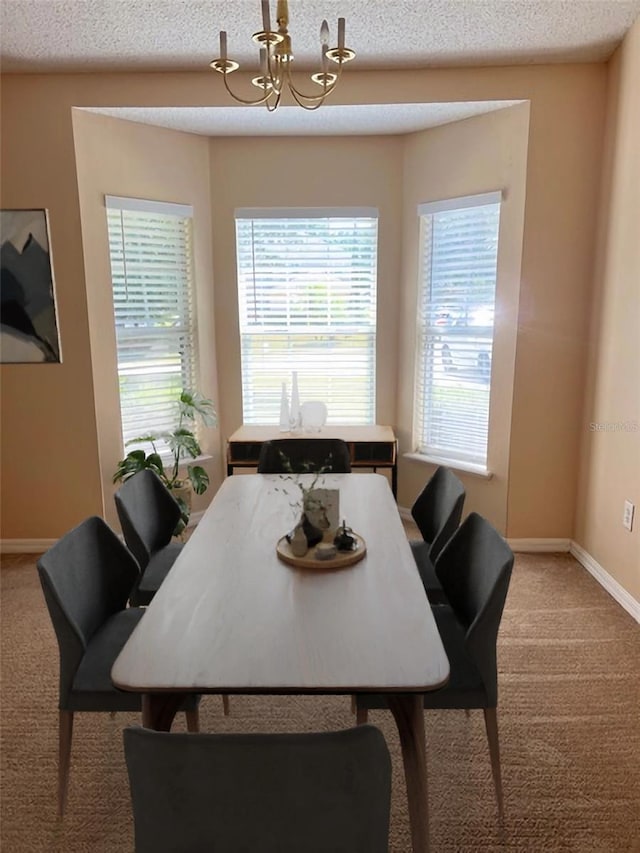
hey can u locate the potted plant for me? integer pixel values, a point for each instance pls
(182, 443)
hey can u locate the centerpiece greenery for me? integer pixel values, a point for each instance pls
(182, 443)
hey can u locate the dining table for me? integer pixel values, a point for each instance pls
(232, 617)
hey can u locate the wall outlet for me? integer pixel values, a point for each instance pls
(627, 515)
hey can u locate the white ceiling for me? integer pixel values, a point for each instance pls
(331, 120)
(180, 35)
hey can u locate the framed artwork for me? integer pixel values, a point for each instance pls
(324, 508)
(29, 329)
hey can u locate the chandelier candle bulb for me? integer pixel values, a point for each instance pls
(263, 61)
(223, 45)
(340, 33)
(266, 18)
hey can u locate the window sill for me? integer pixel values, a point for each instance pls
(454, 464)
(167, 461)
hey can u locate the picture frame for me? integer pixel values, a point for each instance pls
(28, 311)
(324, 511)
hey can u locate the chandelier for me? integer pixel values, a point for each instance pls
(276, 60)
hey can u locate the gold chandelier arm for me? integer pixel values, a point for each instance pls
(274, 69)
(326, 90)
(302, 103)
(247, 102)
(272, 107)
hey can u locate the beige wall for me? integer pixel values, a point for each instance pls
(565, 141)
(478, 155)
(610, 461)
(50, 467)
(50, 443)
(126, 159)
(302, 172)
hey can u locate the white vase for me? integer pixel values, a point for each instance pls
(298, 542)
(294, 411)
(284, 410)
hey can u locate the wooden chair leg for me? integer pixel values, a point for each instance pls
(65, 733)
(193, 720)
(362, 715)
(225, 705)
(491, 725)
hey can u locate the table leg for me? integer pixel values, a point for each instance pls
(394, 480)
(159, 709)
(408, 711)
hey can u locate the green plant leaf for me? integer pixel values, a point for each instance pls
(137, 460)
(133, 462)
(194, 403)
(154, 461)
(183, 443)
(199, 478)
(145, 439)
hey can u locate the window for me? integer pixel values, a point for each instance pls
(307, 302)
(151, 272)
(456, 306)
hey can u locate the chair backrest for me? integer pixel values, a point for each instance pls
(438, 508)
(272, 793)
(86, 577)
(301, 455)
(474, 569)
(148, 514)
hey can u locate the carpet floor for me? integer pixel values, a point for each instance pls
(569, 719)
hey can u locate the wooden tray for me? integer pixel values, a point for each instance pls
(309, 561)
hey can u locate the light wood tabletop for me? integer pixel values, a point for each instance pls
(231, 617)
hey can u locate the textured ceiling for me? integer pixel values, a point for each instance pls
(331, 120)
(98, 35)
(181, 35)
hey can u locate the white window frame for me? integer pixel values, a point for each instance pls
(172, 274)
(288, 336)
(452, 409)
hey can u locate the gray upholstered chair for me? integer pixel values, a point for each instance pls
(474, 569)
(269, 793)
(437, 511)
(148, 515)
(86, 578)
(299, 455)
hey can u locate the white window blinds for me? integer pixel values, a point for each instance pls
(307, 302)
(151, 271)
(456, 306)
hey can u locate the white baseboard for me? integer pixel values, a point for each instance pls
(39, 546)
(533, 546)
(563, 546)
(615, 590)
(540, 546)
(26, 546)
